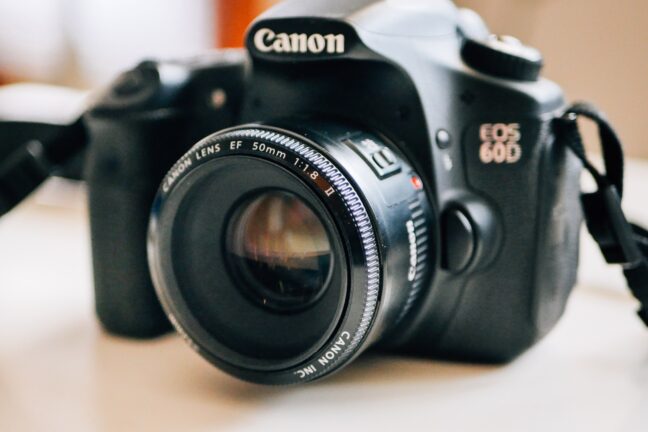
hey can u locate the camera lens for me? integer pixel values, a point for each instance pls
(279, 251)
(282, 252)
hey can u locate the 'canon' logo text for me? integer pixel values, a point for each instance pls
(267, 41)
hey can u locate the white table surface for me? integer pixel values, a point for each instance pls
(60, 372)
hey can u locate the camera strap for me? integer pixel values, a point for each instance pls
(620, 241)
(29, 164)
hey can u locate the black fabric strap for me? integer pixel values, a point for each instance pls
(620, 241)
(29, 164)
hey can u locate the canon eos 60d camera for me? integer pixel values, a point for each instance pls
(366, 173)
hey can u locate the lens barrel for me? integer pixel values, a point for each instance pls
(281, 253)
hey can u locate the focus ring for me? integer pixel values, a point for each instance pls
(421, 233)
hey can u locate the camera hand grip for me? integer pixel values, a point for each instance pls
(125, 164)
(124, 296)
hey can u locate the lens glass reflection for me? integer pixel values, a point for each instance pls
(279, 251)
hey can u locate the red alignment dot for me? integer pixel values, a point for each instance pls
(416, 182)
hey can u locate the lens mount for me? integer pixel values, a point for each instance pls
(371, 244)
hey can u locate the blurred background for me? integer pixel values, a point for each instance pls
(59, 372)
(596, 49)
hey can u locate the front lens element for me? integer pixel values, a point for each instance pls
(279, 251)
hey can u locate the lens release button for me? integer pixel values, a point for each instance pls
(458, 240)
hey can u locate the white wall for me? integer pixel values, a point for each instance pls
(87, 42)
(596, 49)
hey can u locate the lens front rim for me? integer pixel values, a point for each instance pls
(305, 159)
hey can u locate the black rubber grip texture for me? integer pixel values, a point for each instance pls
(124, 296)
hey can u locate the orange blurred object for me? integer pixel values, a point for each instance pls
(233, 17)
(6, 78)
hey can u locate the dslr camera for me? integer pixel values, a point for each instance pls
(365, 173)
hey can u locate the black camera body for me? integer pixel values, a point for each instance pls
(141, 125)
(453, 214)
